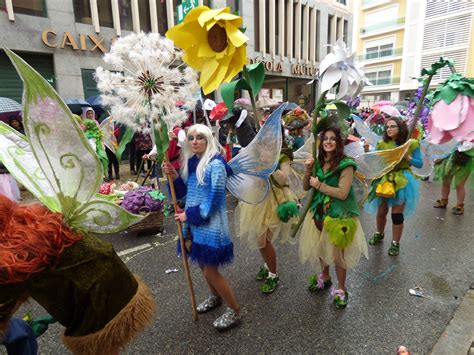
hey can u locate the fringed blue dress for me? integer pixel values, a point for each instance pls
(206, 213)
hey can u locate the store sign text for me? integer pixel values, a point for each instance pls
(89, 42)
(270, 65)
(303, 69)
(277, 67)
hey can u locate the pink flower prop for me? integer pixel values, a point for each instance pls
(454, 120)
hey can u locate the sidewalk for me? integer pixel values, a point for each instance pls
(458, 338)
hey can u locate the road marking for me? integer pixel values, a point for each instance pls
(134, 249)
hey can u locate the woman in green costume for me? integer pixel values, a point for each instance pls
(399, 189)
(457, 168)
(331, 232)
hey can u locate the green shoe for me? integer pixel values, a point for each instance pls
(376, 239)
(262, 274)
(394, 249)
(340, 298)
(270, 285)
(316, 283)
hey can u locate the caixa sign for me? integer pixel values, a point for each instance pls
(83, 42)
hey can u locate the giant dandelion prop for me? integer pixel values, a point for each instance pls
(149, 80)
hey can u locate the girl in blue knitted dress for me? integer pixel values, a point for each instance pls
(399, 189)
(203, 184)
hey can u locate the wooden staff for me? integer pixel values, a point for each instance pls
(181, 242)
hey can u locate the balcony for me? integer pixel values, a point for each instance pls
(381, 54)
(382, 26)
(384, 81)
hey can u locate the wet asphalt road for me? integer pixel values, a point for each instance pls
(436, 254)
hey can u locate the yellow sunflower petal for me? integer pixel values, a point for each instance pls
(209, 15)
(235, 35)
(207, 73)
(191, 58)
(211, 23)
(236, 20)
(194, 14)
(216, 79)
(238, 61)
(205, 50)
(186, 36)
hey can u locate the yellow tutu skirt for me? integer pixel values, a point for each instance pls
(315, 246)
(255, 224)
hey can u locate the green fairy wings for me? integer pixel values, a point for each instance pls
(54, 161)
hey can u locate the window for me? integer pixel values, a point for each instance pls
(343, 2)
(162, 18)
(125, 14)
(27, 7)
(82, 12)
(379, 48)
(144, 12)
(89, 83)
(105, 13)
(381, 76)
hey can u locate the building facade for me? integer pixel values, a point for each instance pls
(65, 39)
(395, 39)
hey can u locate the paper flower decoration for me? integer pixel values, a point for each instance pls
(339, 67)
(147, 83)
(453, 111)
(213, 44)
(218, 112)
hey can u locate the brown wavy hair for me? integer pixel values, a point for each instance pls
(31, 239)
(402, 131)
(339, 154)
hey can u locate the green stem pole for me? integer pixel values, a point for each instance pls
(419, 104)
(246, 75)
(319, 106)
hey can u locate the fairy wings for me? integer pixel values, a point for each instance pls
(54, 160)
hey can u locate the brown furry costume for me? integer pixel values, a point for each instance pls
(78, 279)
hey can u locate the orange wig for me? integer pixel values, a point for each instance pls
(31, 239)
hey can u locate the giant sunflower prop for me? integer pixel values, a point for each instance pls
(213, 44)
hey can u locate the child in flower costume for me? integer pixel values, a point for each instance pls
(399, 188)
(260, 225)
(455, 169)
(331, 231)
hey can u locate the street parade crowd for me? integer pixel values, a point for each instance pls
(298, 176)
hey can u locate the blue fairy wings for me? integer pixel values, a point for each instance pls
(54, 161)
(257, 161)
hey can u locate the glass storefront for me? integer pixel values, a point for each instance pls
(289, 89)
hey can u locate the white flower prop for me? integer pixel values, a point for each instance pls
(339, 66)
(149, 82)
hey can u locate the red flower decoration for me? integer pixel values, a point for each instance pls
(218, 112)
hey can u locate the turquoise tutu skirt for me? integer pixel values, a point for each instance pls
(409, 195)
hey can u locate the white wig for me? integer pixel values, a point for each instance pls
(212, 148)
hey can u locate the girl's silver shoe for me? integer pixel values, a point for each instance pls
(228, 320)
(209, 303)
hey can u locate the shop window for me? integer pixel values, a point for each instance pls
(27, 7)
(144, 13)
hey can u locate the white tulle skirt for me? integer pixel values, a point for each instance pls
(257, 224)
(315, 246)
(9, 187)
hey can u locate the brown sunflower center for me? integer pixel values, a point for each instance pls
(217, 38)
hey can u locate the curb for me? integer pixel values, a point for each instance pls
(458, 337)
